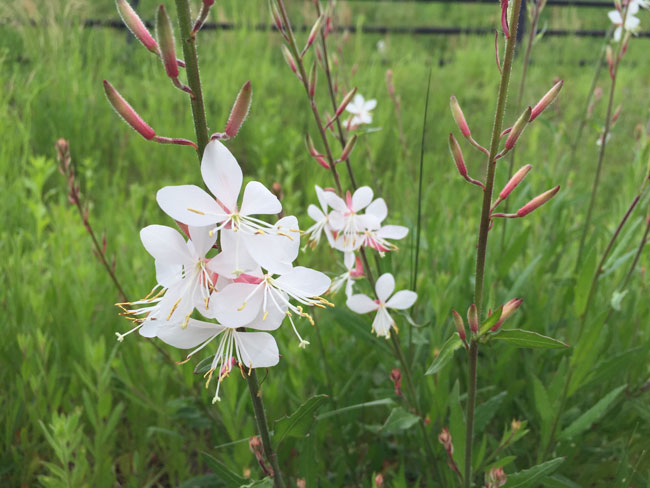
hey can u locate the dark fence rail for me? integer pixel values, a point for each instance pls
(556, 3)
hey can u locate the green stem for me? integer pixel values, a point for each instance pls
(193, 78)
(263, 428)
(481, 251)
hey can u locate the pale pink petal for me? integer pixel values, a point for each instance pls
(176, 201)
(259, 200)
(402, 300)
(166, 245)
(221, 173)
(361, 304)
(385, 286)
(257, 349)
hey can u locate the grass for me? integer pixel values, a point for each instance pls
(79, 409)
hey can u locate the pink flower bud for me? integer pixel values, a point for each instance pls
(312, 80)
(504, 18)
(459, 117)
(508, 309)
(537, 202)
(125, 110)
(379, 481)
(136, 26)
(617, 113)
(546, 100)
(514, 181)
(310, 146)
(445, 439)
(313, 33)
(495, 478)
(346, 100)
(165, 34)
(349, 146)
(289, 59)
(609, 55)
(518, 128)
(460, 325)
(239, 110)
(457, 154)
(396, 378)
(472, 318)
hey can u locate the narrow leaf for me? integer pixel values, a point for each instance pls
(299, 422)
(592, 415)
(486, 410)
(398, 420)
(222, 471)
(375, 403)
(446, 353)
(531, 477)
(527, 338)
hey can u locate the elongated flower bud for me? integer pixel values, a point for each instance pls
(504, 18)
(457, 154)
(546, 100)
(514, 181)
(289, 59)
(125, 110)
(508, 309)
(617, 113)
(347, 99)
(310, 146)
(239, 110)
(518, 128)
(537, 202)
(459, 117)
(349, 146)
(136, 26)
(165, 34)
(460, 325)
(312, 79)
(609, 55)
(313, 33)
(472, 318)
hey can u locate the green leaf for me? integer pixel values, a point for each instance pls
(263, 483)
(299, 422)
(446, 353)
(558, 481)
(398, 420)
(202, 481)
(530, 477)
(592, 415)
(222, 471)
(504, 461)
(583, 283)
(486, 410)
(507, 259)
(527, 338)
(491, 320)
(203, 366)
(375, 403)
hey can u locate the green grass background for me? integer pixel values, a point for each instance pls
(79, 409)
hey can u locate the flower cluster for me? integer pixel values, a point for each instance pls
(235, 268)
(626, 20)
(360, 109)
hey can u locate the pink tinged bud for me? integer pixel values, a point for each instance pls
(508, 309)
(518, 128)
(546, 100)
(125, 110)
(289, 59)
(609, 55)
(537, 202)
(136, 26)
(445, 439)
(617, 113)
(460, 325)
(239, 110)
(321, 160)
(349, 146)
(459, 117)
(346, 100)
(504, 18)
(472, 318)
(457, 154)
(313, 33)
(165, 35)
(310, 146)
(312, 79)
(379, 481)
(514, 181)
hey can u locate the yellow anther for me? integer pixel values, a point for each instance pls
(184, 360)
(308, 317)
(250, 367)
(266, 314)
(260, 231)
(186, 321)
(242, 307)
(196, 211)
(207, 300)
(285, 235)
(209, 375)
(173, 309)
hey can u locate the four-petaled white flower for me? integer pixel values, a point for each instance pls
(384, 288)
(354, 269)
(321, 217)
(631, 22)
(360, 109)
(346, 219)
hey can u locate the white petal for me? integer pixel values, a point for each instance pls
(315, 213)
(259, 200)
(257, 349)
(304, 281)
(632, 23)
(365, 117)
(201, 240)
(322, 197)
(361, 304)
(368, 221)
(234, 306)
(234, 259)
(378, 209)
(221, 173)
(168, 274)
(402, 300)
(150, 328)
(166, 245)
(273, 252)
(272, 318)
(196, 332)
(177, 200)
(348, 260)
(336, 219)
(382, 323)
(615, 17)
(393, 232)
(633, 8)
(618, 33)
(361, 198)
(370, 105)
(385, 286)
(335, 201)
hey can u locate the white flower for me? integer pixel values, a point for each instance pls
(631, 22)
(360, 110)
(354, 270)
(183, 278)
(384, 288)
(249, 349)
(376, 237)
(191, 205)
(638, 4)
(320, 216)
(346, 220)
(381, 47)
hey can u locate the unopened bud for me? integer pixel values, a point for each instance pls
(313, 33)
(459, 117)
(136, 26)
(508, 309)
(617, 113)
(239, 110)
(504, 18)
(165, 34)
(460, 325)
(389, 82)
(276, 16)
(546, 100)
(396, 378)
(518, 128)
(125, 110)
(472, 318)
(349, 146)
(310, 146)
(537, 202)
(495, 478)
(255, 444)
(609, 55)
(515, 425)
(514, 181)
(346, 100)
(379, 481)
(457, 154)
(289, 59)
(312, 79)
(445, 439)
